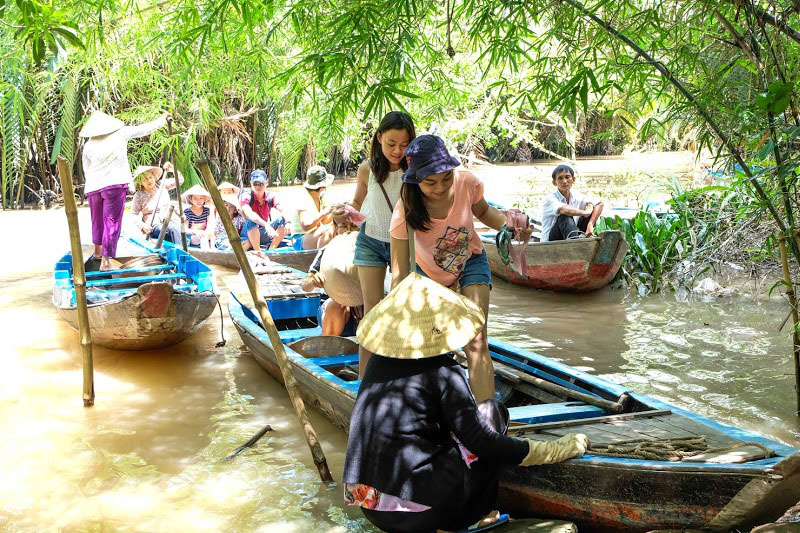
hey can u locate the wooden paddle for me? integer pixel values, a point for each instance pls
(269, 325)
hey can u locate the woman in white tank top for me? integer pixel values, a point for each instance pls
(377, 191)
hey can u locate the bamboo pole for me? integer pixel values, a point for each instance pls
(277, 346)
(79, 280)
(178, 188)
(793, 303)
(164, 226)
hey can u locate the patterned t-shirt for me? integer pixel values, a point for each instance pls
(443, 250)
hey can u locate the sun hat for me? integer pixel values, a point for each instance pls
(228, 185)
(231, 199)
(100, 124)
(258, 176)
(339, 273)
(142, 170)
(420, 318)
(196, 190)
(317, 177)
(427, 155)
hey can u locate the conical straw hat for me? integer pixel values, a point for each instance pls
(141, 169)
(231, 199)
(339, 273)
(100, 124)
(420, 318)
(195, 190)
(228, 185)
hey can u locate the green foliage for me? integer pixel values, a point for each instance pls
(64, 144)
(657, 245)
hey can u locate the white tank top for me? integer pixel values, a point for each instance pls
(378, 214)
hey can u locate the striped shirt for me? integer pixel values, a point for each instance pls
(198, 221)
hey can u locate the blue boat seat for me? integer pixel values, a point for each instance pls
(336, 360)
(156, 268)
(137, 279)
(554, 412)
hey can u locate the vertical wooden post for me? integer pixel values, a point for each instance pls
(79, 280)
(178, 188)
(277, 346)
(793, 303)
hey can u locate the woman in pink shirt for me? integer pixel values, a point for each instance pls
(438, 201)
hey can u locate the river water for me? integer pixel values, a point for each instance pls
(148, 455)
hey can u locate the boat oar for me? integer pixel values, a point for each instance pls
(161, 186)
(79, 280)
(178, 188)
(164, 225)
(266, 319)
(508, 373)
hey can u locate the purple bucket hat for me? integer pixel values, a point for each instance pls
(427, 155)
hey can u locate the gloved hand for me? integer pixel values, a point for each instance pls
(545, 453)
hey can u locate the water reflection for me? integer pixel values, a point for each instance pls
(721, 358)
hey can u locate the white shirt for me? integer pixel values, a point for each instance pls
(375, 208)
(555, 201)
(105, 158)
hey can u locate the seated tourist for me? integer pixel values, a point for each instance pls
(151, 202)
(221, 241)
(567, 214)
(264, 223)
(421, 455)
(199, 220)
(313, 217)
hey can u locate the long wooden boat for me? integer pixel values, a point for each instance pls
(719, 491)
(576, 265)
(161, 298)
(285, 255)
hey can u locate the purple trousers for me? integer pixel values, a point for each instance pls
(106, 207)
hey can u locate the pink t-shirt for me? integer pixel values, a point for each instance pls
(443, 250)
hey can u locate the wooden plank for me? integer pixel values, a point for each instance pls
(600, 419)
(597, 433)
(137, 279)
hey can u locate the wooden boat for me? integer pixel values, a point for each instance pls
(576, 265)
(157, 299)
(719, 491)
(285, 255)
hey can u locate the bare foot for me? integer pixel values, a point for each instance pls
(105, 264)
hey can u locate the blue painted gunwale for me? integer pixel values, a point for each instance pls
(239, 315)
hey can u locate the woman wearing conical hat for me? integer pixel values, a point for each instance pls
(421, 455)
(150, 204)
(108, 176)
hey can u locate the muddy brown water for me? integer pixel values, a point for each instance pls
(148, 455)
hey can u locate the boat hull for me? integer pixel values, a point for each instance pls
(577, 265)
(154, 316)
(298, 259)
(599, 492)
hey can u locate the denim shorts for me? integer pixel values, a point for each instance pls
(265, 239)
(371, 252)
(476, 271)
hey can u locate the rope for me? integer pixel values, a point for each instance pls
(221, 343)
(673, 449)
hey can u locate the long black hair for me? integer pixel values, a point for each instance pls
(414, 206)
(394, 120)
